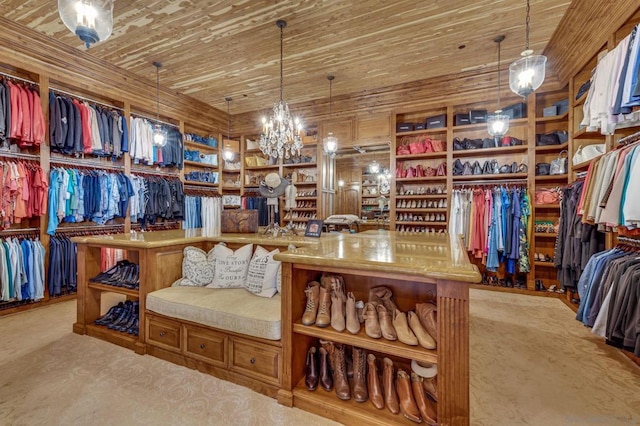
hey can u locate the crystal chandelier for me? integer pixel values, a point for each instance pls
(227, 152)
(527, 73)
(90, 20)
(281, 132)
(498, 123)
(330, 143)
(159, 137)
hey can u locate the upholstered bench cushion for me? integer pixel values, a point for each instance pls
(230, 309)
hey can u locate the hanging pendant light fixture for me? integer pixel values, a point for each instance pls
(330, 143)
(527, 73)
(227, 152)
(159, 134)
(281, 132)
(374, 167)
(90, 20)
(498, 123)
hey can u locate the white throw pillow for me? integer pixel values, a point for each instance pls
(198, 267)
(279, 279)
(263, 273)
(231, 266)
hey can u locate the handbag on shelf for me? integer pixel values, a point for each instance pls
(438, 145)
(458, 145)
(417, 146)
(467, 170)
(559, 165)
(411, 172)
(420, 171)
(252, 145)
(430, 171)
(547, 196)
(428, 145)
(403, 148)
(542, 169)
(477, 170)
(458, 168)
(588, 153)
(486, 169)
(442, 169)
(251, 161)
(495, 167)
(488, 143)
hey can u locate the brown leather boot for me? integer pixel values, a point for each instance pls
(424, 338)
(311, 311)
(408, 405)
(427, 407)
(388, 382)
(337, 311)
(324, 308)
(373, 382)
(360, 393)
(353, 324)
(386, 327)
(371, 323)
(428, 316)
(312, 376)
(339, 367)
(326, 381)
(405, 335)
(431, 387)
(382, 294)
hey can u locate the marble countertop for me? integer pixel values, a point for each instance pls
(436, 256)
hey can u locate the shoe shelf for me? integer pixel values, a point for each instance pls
(306, 198)
(481, 152)
(544, 264)
(304, 209)
(326, 404)
(421, 196)
(361, 340)
(421, 223)
(113, 336)
(440, 154)
(298, 219)
(427, 210)
(114, 289)
(551, 148)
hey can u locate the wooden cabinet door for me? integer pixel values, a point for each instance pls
(373, 128)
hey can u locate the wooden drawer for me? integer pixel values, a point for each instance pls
(256, 360)
(205, 345)
(163, 333)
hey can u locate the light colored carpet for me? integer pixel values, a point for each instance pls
(531, 364)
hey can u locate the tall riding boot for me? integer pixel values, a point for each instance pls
(326, 381)
(388, 382)
(360, 393)
(373, 382)
(339, 367)
(312, 376)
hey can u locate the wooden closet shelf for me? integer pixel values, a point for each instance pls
(441, 154)
(502, 176)
(116, 337)
(113, 289)
(422, 132)
(311, 165)
(585, 134)
(421, 196)
(551, 148)
(196, 183)
(423, 179)
(547, 206)
(584, 165)
(551, 178)
(199, 164)
(361, 340)
(553, 118)
(545, 235)
(192, 144)
(262, 167)
(481, 152)
(544, 264)
(418, 223)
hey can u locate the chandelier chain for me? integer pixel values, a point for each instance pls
(330, 105)
(527, 26)
(499, 79)
(157, 65)
(281, 66)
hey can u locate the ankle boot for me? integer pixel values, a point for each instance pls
(408, 405)
(382, 294)
(373, 383)
(360, 311)
(311, 311)
(360, 393)
(371, 323)
(326, 382)
(312, 376)
(388, 382)
(428, 316)
(386, 327)
(426, 407)
(431, 387)
(324, 308)
(339, 367)
(405, 335)
(425, 340)
(337, 311)
(353, 325)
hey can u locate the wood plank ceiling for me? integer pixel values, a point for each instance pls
(212, 49)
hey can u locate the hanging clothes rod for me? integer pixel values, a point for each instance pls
(629, 139)
(85, 165)
(18, 78)
(9, 154)
(491, 182)
(62, 92)
(146, 117)
(629, 241)
(154, 173)
(17, 231)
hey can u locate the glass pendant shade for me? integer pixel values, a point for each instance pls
(498, 124)
(374, 167)
(228, 154)
(330, 144)
(159, 136)
(527, 73)
(90, 20)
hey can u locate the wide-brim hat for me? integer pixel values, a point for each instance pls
(273, 186)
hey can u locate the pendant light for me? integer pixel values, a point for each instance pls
(90, 20)
(374, 167)
(227, 152)
(330, 143)
(498, 123)
(527, 73)
(159, 134)
(281, 132)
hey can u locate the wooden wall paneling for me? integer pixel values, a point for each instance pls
(372, 128)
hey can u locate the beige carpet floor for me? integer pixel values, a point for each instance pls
(531, 364)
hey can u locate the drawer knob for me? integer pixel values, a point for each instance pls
(162, 334)
(252, 360)
(202, 346)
